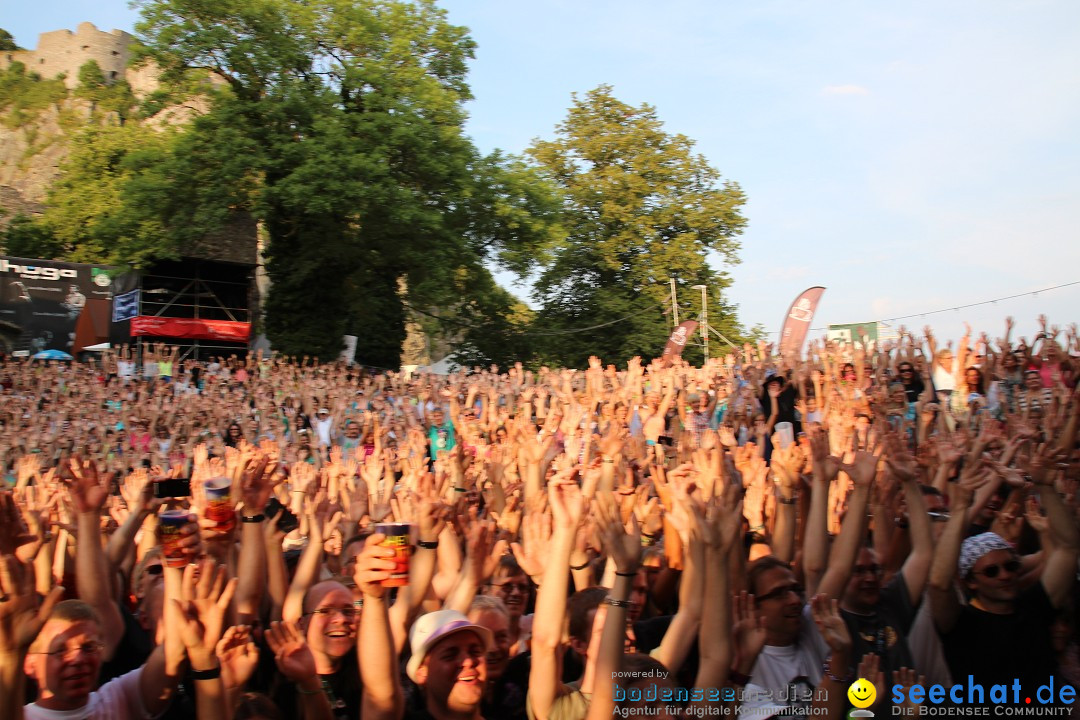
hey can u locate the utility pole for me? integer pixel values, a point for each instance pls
(674, 304)
(704, 319)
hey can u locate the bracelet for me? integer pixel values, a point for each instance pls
(252, 518)
(786, 501)
(302, 691)
(626, 574)
(434, 545)
(826, 668)
(625, 604)
(738, 678)
(582, 566)
(457, 489)
(211, 674)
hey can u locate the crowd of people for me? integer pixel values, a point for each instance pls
(270, 537)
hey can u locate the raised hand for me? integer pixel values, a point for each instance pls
(748, 631)
(374, 565)
(623, 545)
(20, 617)
(830, 624)
(826, 466)
(566, 502)
(14, 532)
(88, 489)
(291, 652)
(864, 468)
(206, 597)
(531, 552)
(870, 669)
(256, 484)
(906, 678)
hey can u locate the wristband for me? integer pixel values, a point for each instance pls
(434, 545)
(826, 668)
(625, 604)
(737, 678)
(786, 501)
(582, 566)
(302, 691)
(211, 674)
(626, 574)
(457, 489)
(252, 518)
(650, 442)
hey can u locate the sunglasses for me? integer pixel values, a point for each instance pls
(780, 592)
(992, 571)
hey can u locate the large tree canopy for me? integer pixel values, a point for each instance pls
(350, 114)
(640, 206)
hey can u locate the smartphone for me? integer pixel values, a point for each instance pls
(666, 440)
(286, 518)
(172, 488)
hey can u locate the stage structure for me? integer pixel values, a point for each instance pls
(203, 306)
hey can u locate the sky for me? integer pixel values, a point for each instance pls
(910, 157)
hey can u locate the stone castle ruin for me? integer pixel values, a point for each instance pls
(64, 52)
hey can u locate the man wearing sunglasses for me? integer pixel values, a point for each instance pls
(1002, 634)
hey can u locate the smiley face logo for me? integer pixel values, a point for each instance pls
(862, 693)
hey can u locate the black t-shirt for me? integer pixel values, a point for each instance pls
(884, 632)
(342, 689)
(997, 649)
(132, 651)
(915, 389)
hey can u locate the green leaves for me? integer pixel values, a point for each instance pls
(640, 206)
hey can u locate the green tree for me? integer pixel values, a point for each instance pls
(25, 237)
(7, 42)
(351, 116)
(109, 203)
(640, 206)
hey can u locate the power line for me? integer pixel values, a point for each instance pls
(962, 307)
(570, 331)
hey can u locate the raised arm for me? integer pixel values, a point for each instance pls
(383, 698)
(816, 540)
(1059, 573)
(916, 568)
(625, 549)
(846, 547)
(203, 609)
(89, 491)
(544, 687)
(944, 605)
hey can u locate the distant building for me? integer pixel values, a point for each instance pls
(64, 52)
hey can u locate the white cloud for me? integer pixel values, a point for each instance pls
(845, 90)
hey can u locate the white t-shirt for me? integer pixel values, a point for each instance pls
(323, 429)
(118, 699)
(786, 676)
(125, 368)
(943, 379)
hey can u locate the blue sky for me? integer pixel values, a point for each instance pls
(908, 156)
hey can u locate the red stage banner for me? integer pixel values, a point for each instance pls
(797, 321)
(191, 328)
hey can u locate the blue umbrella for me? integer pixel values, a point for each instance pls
(52, 355)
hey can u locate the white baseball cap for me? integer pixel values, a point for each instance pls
(429, 629)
